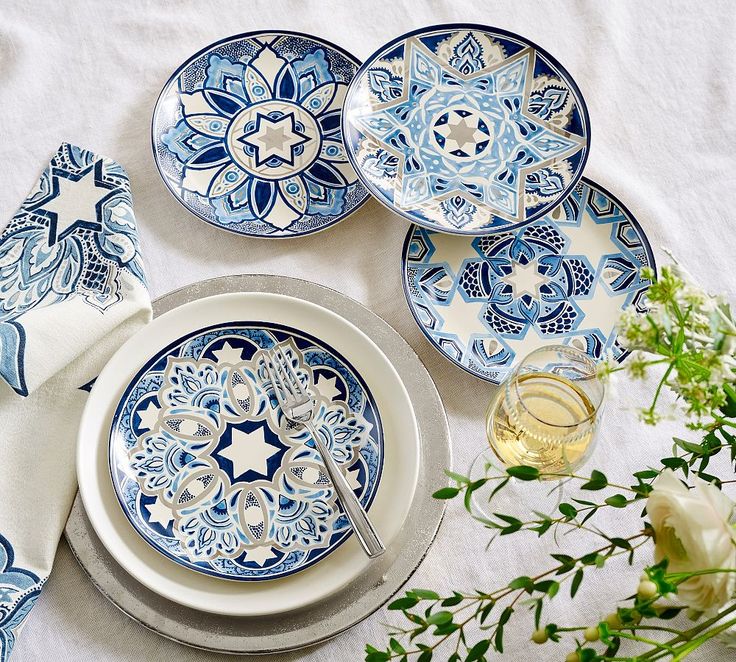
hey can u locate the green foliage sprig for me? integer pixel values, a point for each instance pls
(690, 337)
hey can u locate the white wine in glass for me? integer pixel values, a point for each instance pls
(545, 415)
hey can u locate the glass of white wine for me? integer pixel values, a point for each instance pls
(547, 412)
(545, 415)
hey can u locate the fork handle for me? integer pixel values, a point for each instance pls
(362, 526)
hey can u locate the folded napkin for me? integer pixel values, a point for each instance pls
(72, 290)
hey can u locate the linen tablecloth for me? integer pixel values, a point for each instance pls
(658, 80)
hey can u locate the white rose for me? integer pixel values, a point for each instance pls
(693, 531)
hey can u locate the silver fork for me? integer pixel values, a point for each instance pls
(298, 406)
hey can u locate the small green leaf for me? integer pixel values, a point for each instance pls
(396, 647)
(564, 559)
(446, 493)
(453, 600)
(469, 492)
(688, 446)
(576, 581)
(647, 474)
(498, 639)
(538, 613)
(597, 481)
(440, 618)
(617, 501)
(498, 488)
(505, 616)
(620, 542)
(485, 612)
(667, 614)
(403, 603)
(377, 656)
(424, 594)
(445, 628)
(523, 472)
(459, 478)
(589, 559)
(675, 463)
(568, 510)
(729, 409)
(426, 656)
(542, 527)
(548, 586)
(478, 651)
(507, 518)
(525, 583)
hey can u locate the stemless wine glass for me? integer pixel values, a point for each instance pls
(545, 415)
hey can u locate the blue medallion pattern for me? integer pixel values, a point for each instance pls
(211, 474)
(467, 131)
(247, 135)
(19, 589)
(74, 235)
(564, 278)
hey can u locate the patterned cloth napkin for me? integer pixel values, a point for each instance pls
(72, 290)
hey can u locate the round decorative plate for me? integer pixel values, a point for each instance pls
(466, 129)
(188, 319)
(408, 533)
(564, 279)
(246, 134)
(211, 474)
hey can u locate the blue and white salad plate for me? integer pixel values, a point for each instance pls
(211, 474)
(190, 475)
(485, 302)
(466, 129)
(247, 135)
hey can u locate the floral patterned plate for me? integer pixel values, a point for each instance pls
(246, 134)
(210, 473)
(466, 129)
(564, 278)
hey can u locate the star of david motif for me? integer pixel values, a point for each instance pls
(76, 201)
(274, 138)
(525, 280)
(467, 135)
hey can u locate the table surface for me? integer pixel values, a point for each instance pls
(658, 80)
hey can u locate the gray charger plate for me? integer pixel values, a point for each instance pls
(321, 620)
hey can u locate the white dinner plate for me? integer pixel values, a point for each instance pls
(198, 591)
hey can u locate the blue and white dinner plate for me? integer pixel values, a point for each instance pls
(466, 129)
(210, 473)
(487, 301)
(247, 135)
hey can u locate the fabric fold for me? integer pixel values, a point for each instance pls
(70, 266)
(72, 290)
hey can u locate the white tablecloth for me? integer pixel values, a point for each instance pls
(658, 80)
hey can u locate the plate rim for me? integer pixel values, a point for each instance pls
(241, 36)
(254, 636)
(407, 295)
(143, 370)
(480, 27)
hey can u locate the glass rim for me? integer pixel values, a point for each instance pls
(565, 349)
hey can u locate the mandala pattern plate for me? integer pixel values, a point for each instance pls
(486, 301)
(466, 129)
(210, 473)
(246, 134)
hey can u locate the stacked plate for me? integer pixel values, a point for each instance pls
(183, 443)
